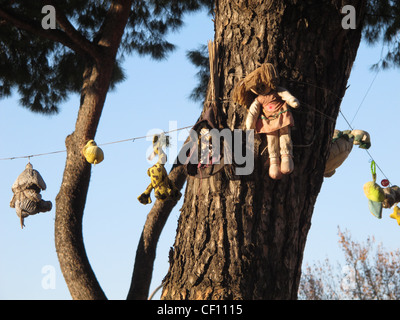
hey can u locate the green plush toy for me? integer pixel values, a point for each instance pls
(374, 193)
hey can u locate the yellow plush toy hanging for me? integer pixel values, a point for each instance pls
(374, 193)
(163, 187)
(92, 153)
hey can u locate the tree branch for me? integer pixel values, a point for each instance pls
(117, 14)
(74, 34)
(146, 251)
(36, 29)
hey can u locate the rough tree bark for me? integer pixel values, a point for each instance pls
(244, 238)
(70, 201)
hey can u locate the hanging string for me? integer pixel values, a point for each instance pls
(365, 96)
(103, 144)
(344, 117)
(32, 155)
(359, 107)
(376, 164)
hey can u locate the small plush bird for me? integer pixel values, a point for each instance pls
(92, 152)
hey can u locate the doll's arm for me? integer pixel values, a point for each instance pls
(252, 115)
(286, 96)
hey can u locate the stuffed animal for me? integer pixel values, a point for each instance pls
(269, 113)
(374, 193)
(163, 187)
(342, 144)
(392, 196)
(92, 153)
(27, 199)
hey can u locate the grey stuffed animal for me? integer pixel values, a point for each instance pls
(27, 199)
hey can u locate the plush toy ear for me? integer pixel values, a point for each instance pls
(358, 140)
(151, 157)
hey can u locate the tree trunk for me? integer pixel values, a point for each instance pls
(70, 201)
(244, 238)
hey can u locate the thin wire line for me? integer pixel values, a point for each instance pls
(102, 144)
(33, 155)
(379, 168)
(365, 96)
(369, 153)
(345, 119)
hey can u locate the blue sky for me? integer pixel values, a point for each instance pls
(155, 96)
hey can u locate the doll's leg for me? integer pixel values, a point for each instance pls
(273, 150)
(286, 150)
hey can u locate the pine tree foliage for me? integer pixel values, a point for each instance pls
(199, 57)
(383, 25)
(45, 67)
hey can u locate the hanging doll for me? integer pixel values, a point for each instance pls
(163, 187)
(27, 199)
(269, 113)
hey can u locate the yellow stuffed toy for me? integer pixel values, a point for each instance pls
(163, 187)
(92, 153)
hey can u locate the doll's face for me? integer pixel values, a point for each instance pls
(262, 89)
